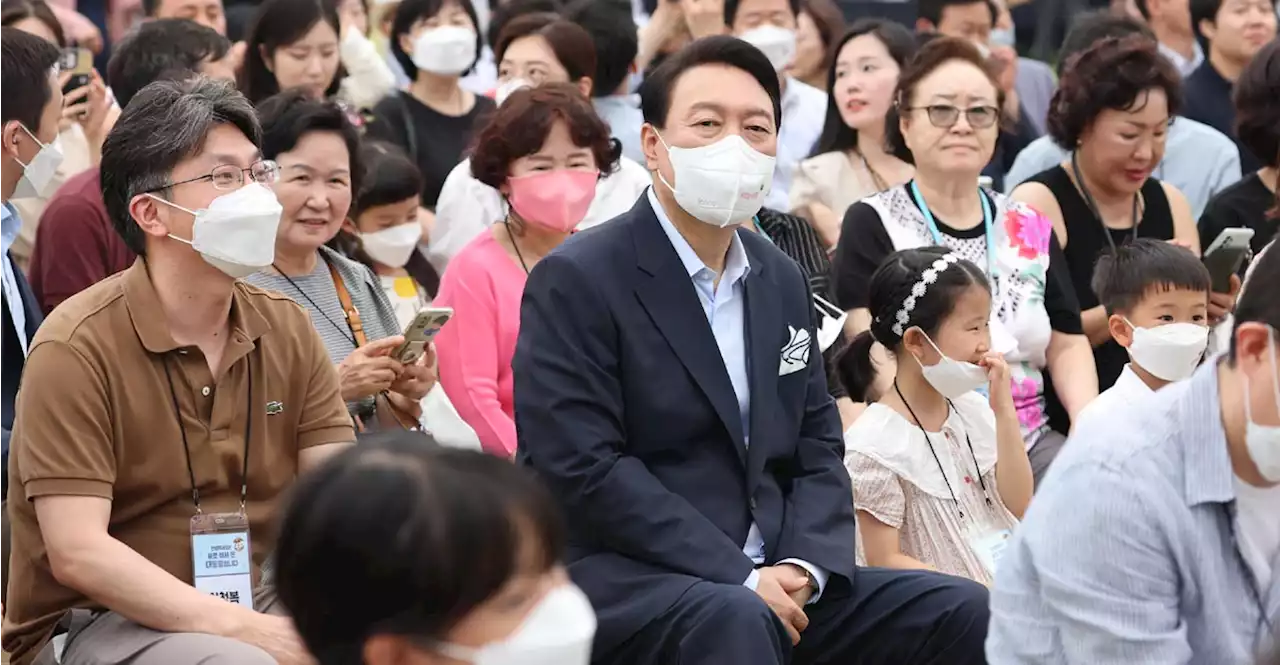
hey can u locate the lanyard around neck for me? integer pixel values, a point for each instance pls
(987, 225)
(1093, 205)
(186, 447)
(976, 467)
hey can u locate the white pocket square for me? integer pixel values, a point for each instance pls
(795, 354)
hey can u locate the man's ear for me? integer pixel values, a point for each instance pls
(1120, 330)
(651, 144)
(1207, 28)
(147, 215)
(11, 136)
(925, 26)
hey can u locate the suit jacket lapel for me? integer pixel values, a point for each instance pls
(667, 293)
(764, 349)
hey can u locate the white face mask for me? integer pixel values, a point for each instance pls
(1263, 441)
(777, 44)
(721, 184)
(504, 90)
(37, 177)
(237, 232)
(393, 246)
(1170, 352)
(952, 378)
(448, 50)
(558, 632)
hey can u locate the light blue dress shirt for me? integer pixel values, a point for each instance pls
(804, 109)
(622, 114)
(1129, 554)
(10, 224)
(724, 303)
(1198, 159)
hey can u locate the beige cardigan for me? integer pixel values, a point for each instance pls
(832, 179)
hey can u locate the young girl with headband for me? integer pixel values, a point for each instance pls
(940, 473)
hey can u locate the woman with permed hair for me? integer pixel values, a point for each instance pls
(1112, 110)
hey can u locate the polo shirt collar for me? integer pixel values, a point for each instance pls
(152, 327)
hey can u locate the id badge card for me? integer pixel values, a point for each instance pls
(990, 546)
(221, 558)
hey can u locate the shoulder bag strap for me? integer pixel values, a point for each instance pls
(348, 309)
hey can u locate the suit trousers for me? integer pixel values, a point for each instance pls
(891, 617)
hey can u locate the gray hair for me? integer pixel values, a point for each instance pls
(164, 124)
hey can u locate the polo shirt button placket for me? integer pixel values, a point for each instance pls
(205, 391)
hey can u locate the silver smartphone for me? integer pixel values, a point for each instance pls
(420, 331)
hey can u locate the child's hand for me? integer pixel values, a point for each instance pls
(1000, 392)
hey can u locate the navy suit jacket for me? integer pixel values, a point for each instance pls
(13, 360)
(625, 409)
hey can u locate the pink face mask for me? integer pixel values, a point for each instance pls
(556, 200)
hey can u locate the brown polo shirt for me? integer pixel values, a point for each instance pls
(95, 417)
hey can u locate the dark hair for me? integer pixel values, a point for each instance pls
(292, 114)
(26, 63)
(410, 12)
(932, 10)
(828, 19)
(1203, 10)
(890, 286)
(616, 42)
(1258, 302)
(390, 176)
(521, 125)
(1093, 27)
(901, 44)
(13, 11)
(167, 47)
(509, 11)
(1257, 95)
(731, 10)
(655, 91)
(419, 535)
(571, 45)
(1143, 9)
(931, 55)
(165, 124)
(275, 25)
(1123, 276)
(1110, 74)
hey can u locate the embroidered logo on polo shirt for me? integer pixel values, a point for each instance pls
(275, 408)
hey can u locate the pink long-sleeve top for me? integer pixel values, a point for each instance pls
(483, 286)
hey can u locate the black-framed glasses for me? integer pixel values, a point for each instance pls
(229, 176)
(945, 115)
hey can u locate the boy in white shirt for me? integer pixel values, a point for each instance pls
(1156, 295)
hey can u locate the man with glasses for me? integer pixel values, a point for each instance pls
(75, 245)
(167, 409)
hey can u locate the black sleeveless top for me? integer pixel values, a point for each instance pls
(1086, 242)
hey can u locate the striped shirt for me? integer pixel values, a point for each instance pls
(1128, 554)
(318, 295)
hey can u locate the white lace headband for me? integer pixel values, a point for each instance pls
(919, 289)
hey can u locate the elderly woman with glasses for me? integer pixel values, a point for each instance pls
(944, 121)
(316, 147)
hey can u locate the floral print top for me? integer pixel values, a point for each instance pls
(1025, 290)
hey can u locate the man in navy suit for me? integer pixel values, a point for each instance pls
(30, 105)
(668, 392)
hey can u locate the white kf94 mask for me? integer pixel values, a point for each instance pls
(237, 232)
(721, 184)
